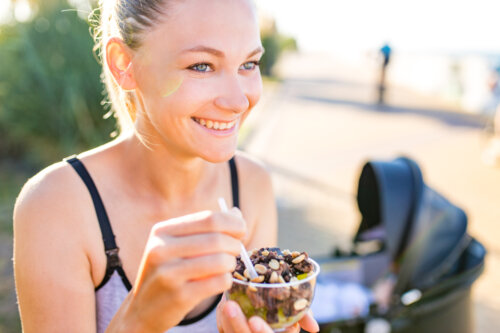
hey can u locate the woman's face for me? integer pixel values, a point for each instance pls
(197, 76)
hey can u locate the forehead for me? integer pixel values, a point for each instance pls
(228, 25)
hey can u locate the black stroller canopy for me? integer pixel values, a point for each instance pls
(431, 259)
(423, 233)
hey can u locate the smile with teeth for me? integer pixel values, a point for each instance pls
(216, 125)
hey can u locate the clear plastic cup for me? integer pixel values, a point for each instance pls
(279, 304)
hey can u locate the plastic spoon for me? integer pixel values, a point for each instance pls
(243, 251)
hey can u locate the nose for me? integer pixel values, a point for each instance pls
(233, 95)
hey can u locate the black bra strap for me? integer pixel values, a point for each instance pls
(102, 216)
(234, 183)
(110, 248)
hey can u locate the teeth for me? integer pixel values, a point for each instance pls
(215, 124)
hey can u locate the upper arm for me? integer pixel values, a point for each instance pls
(259, 203)
(52, 271)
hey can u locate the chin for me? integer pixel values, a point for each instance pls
(218, 156)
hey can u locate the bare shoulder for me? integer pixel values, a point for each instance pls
(54, 191)
(53, 206)
(51, 262)
(257, 199)
(253, 172)
(58, 190)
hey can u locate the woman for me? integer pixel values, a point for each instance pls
(128, 235)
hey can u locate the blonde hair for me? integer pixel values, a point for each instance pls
(125, 19)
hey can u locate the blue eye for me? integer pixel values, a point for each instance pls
(201, 67)
(250, 65)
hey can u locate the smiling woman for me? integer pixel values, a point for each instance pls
(127, 236)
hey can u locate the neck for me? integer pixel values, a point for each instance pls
(156, 171)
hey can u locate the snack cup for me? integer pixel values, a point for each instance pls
(279, 304)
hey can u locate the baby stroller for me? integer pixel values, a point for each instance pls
(410, 235)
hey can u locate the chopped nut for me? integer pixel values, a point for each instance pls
(280, 279)
(261, 269)
(252, 288)
(286, 252)
(258, 279)
(246, 274)
(265, 253)
(298, 259)
(282, 262)
(300, 304)
(274, 278)
(239, 276)
(274, 264)
(295, 254)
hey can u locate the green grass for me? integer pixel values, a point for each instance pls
(12, 178)
(11, 182)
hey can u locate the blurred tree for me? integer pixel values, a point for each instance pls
(274, 44)
(50, 91)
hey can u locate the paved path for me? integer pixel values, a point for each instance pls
(317, 128)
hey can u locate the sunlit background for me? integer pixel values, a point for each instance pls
(429, 38)
(318, 120)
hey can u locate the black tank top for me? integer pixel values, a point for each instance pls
(111, 249)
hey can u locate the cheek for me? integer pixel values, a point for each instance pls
(254, 91)
(171, 86)
(187, 96)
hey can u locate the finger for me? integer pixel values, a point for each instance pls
(235, 318)
(295, 328)
(223, 320)
(201, 289)
(202, 244)
(162, 250)
(195, 257)
(202, 222)
(218, 314)
(258, 325)
(198, 268)
(308, 323)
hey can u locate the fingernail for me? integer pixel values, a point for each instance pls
(255, 324)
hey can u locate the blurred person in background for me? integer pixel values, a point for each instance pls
(385, 57)
(494, 89)
(491, 154)
(127, 236)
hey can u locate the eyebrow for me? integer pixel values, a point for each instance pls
(217, 53)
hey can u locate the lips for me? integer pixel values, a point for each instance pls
(215, 124)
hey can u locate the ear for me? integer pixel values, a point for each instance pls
(119, 61)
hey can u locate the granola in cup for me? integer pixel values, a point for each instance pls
(283, 291)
